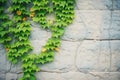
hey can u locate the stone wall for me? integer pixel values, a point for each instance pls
(90, 48)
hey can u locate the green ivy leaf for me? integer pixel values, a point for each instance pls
(32, 78)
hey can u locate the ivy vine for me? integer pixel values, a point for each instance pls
(15, 32)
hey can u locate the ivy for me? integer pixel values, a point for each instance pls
(15, 32)
(5, 24)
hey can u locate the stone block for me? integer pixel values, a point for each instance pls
(116, 4)
(37, 33)
(115, 55)
(38, 37)
(93, 56)
(78, 76)
(96, 22)
(11, 76)
(66, 76)
(64, 59)
(37, 45)
(2, 76)
(94, 4)
(92, 24)
(115, 34)
(4, 64)
(75, 32)
(16, 68)
(107, 75)
(77, 27)
(115, 25)
(49, 76)
(1, 47)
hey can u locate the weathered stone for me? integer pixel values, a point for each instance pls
(106, 75)
(90, 47)
(93, 25)
(115, 34)
(104, 56)
(96, 23)
(64, 59)
(37, 33)
(115, 55)
(1, 47)
(11, 76)
(37, 45)
(38, 37)
(93, 56)
(72, 31)
(16, 68)
(2, 76)
(93, 4)
(116, 4)
(77, 17)
(49, 76)
(115, 25)
(3, 61)
(78, 76)
(66, 76)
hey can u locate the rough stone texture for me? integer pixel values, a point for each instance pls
(89, 24)
(64, 59)
(93, 56)
(115, 25)
(11, 76)
(106, 75)
(4, 64)
(38, 37)
(66, 76)
(94, 4)
(90, 47)
(116, 5)
(2, 76)
(115, 53)
(79, 76)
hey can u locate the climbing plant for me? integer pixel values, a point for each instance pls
(15, 32)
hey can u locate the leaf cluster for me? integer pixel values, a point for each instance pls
(15, 33)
